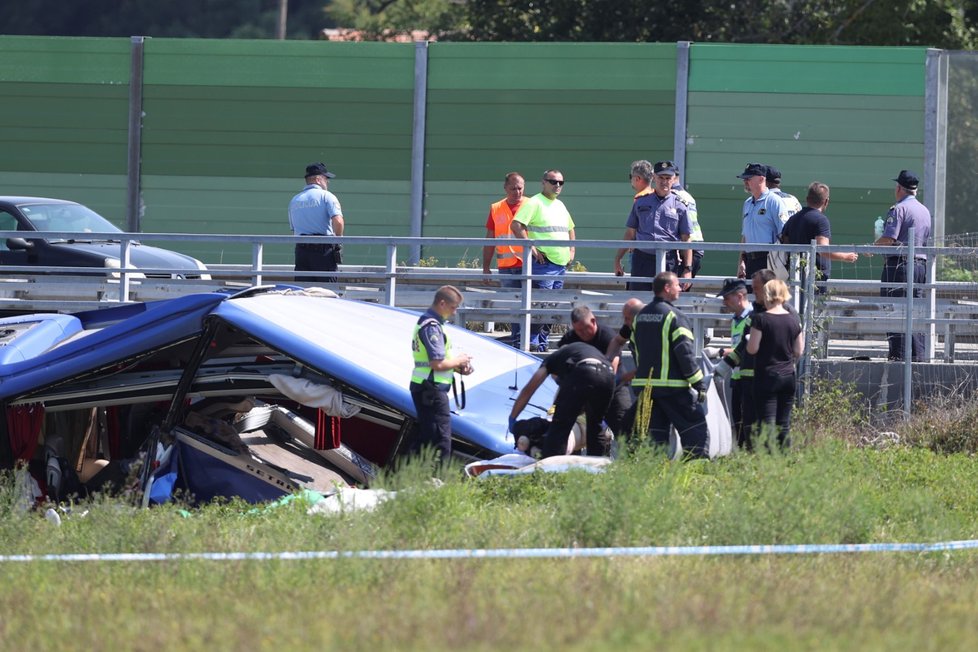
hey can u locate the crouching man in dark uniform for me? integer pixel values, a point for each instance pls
(666, 367)
(587, 382)
(434, 365)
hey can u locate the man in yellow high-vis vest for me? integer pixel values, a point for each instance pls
(431, 379)
(544, 217)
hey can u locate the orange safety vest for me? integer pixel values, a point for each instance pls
(502, 217)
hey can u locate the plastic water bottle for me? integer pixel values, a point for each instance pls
(879, 227)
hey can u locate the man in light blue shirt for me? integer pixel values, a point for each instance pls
(764, 217)
(316, 211)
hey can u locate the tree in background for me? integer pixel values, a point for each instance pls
(381, 19)
(168, 18)
(948, 24)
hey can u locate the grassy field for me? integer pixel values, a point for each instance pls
(827, 490)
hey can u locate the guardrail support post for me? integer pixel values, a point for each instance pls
(909, 265)
(134, 148)
(124, 263)
(391, 271)
(527, 285)
(257, 262)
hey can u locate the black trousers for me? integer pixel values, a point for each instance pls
(621, 413)
(678, 407)
(586, 388)
(643, 266)
(315, 258)
(774, 396)
(754, 261)
(895, 271)
(742, 410)
(434, 419)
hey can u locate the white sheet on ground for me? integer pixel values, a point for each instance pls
(719, 439)
(518, 464)
(351, 499)
(306, 392)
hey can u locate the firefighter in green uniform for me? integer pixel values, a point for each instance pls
(666, 367)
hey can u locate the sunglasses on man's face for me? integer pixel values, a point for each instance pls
(554, 182)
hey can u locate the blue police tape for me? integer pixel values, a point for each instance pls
(507, 553)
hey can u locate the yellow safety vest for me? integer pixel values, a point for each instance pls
(547, 219)
(422, 365)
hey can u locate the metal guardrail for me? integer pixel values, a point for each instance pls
(856, 309)
(26, 290)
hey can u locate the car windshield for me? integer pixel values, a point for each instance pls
(74, 218)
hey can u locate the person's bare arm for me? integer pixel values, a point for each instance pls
(519, 231)
(798, 346)
(754, 341)
(338, 224)
(629, 235)
(821, 240)
(742, 264)
(487, 252)
(458, 362)
(527, 392)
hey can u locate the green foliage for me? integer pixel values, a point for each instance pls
(383, 19)
(833, 410)
(951, 270)
(830, 22)
(827, 492)
(474, 263)
(938, 23)
(174, 18)
(576, 266)
(944, 424)
(430, 261)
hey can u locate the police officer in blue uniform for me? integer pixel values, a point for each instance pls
(316, 211)
(905, 214)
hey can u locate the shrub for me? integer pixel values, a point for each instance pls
(833, 409)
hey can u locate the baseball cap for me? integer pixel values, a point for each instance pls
(314, 169)
(731, 285)
(664, 167)
(908, 180)
(753, 170)
(773, 174)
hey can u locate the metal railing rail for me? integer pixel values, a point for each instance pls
(400, 284)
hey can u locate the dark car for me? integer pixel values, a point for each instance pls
(57, 215)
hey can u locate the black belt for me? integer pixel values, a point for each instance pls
(593, 362)
(900, 259)
(754, 255)
(312, 245)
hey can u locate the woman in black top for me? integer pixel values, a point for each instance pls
(776, 341)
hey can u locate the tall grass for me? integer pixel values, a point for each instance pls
(828, 489)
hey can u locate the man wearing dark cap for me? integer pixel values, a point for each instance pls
(659, 216)
(907, 213)
(734, 295)
(791, 203)
(316, 211)
(764, 216)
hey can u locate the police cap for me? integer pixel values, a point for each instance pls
(908, 180)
